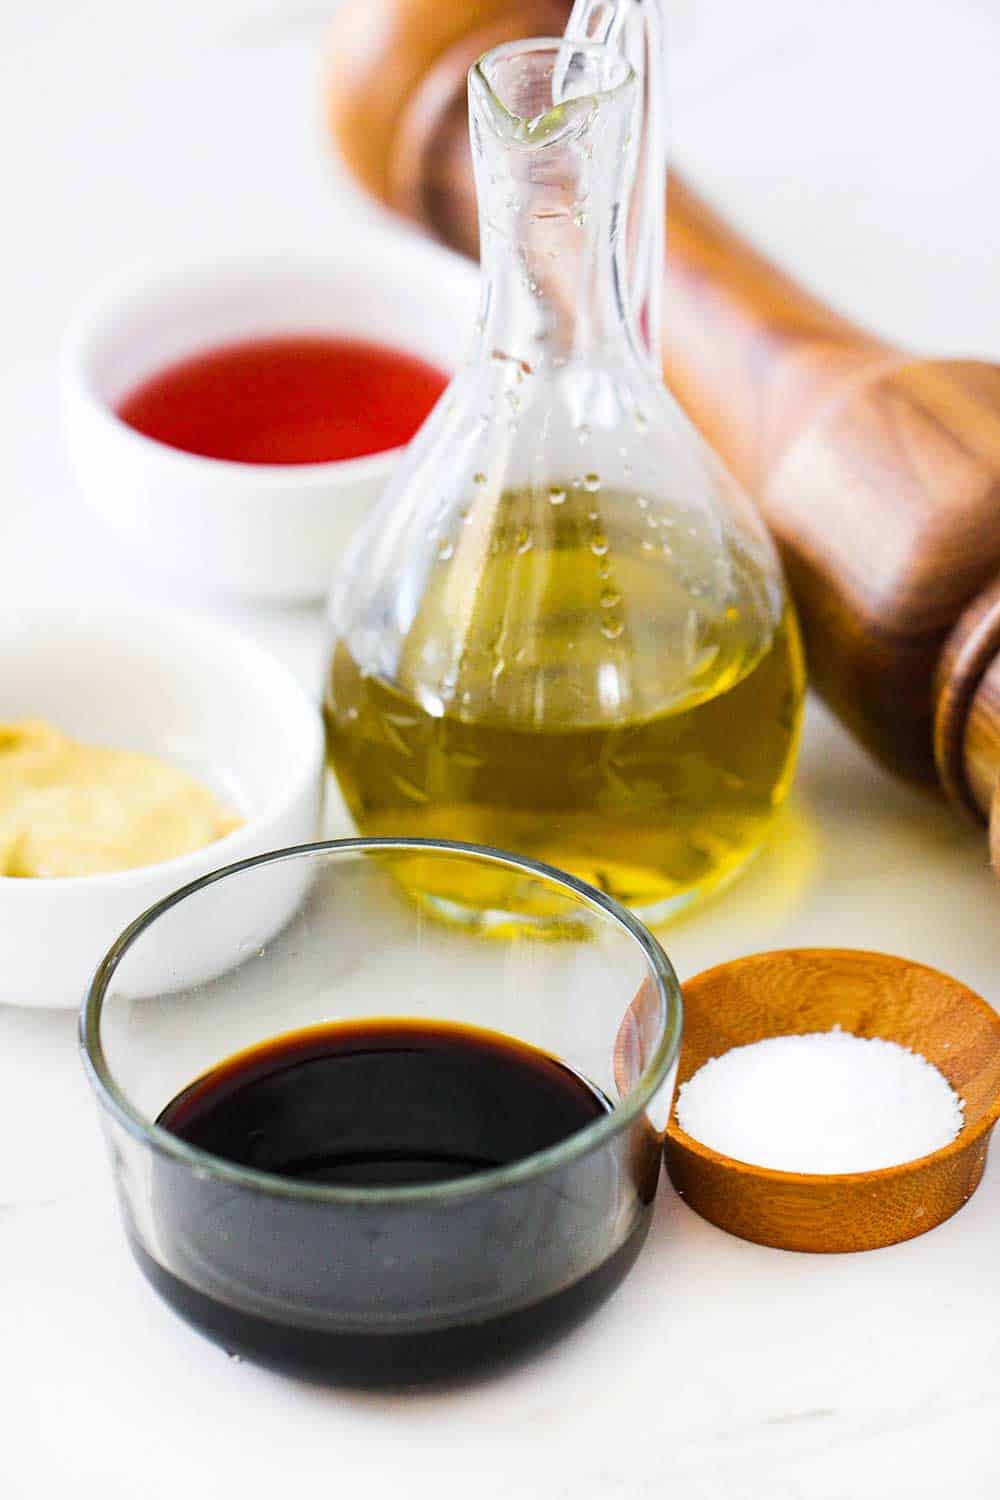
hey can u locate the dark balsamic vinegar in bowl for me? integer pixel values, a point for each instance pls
(383, 1199)
(383, 1104)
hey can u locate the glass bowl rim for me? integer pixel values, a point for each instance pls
(162, 1142)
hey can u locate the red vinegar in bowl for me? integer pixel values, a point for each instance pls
(302, 399)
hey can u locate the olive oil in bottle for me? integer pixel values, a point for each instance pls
(613, 691)
(563, 630)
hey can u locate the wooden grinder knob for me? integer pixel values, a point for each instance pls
(967, 722)
(877, 472)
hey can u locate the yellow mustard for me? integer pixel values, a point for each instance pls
(72, 809)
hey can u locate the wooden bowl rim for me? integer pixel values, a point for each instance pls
(966, 1138)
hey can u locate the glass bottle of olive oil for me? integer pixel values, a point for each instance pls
(564, 631)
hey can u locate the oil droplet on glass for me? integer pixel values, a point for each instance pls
(612, 628)
(609, 599)
(522, 540)
(446, 549)
(599, 544)
(591, 482)
(641, 421)
(479, 478)
(557, 495)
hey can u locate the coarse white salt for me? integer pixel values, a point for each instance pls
(825, 1101)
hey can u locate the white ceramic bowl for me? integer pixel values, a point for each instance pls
(194, 693)
(264, 531)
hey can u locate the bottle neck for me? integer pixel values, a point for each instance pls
(553, 281)
(638, 27)
(552, 218)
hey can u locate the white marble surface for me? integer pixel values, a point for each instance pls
(857, 140)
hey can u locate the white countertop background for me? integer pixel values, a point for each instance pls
(858, 141)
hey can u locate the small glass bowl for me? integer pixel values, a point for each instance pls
(387, 1285)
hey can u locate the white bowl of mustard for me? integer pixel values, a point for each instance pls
(215, 734)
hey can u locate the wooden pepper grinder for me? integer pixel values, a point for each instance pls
(878, 473)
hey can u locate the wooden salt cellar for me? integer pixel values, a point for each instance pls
(878, 473)
(870, 995)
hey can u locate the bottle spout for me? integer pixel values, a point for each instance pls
(544, 91)
(636, 29)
